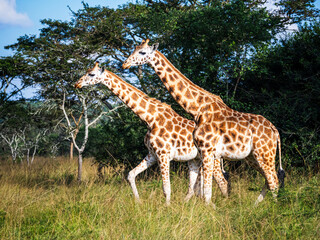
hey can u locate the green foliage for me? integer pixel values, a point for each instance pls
(227, 47)
(285, 87)
(118, 140)
(213, 40)
(298, 10)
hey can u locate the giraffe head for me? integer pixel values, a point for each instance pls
(93, 76)
(142, 54)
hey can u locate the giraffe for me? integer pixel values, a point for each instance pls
(220, 131)
(169, 135)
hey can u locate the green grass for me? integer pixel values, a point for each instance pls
(46, 202)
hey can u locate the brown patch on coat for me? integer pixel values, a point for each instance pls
(134, 96)
(177, 128)
(180, 86)
(226, 139)
(143, 103)
(123, 86)
(183, 132)
(230, 148)
(169, 126)
(188, 94)
(162, 131)
(161, 120)
(159, 143)
(233, 135)
(152, 109)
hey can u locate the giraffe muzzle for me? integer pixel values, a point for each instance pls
(77, 85)
(126, 65)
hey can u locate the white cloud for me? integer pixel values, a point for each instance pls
(9, 15)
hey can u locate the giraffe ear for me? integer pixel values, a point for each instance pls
(155, 46)
(144, 43)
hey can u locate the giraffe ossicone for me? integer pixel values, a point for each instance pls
(220, 131)
(169, 135)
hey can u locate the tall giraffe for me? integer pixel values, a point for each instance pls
(220, 131)
(169, 135)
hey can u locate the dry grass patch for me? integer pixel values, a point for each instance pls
(46, 202)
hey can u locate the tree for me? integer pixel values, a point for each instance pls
(12, 68)
(220, 45)
(285, 87)
(296, 11)
(63, 51)
(22, 128)
(13, 141)
(73, 131)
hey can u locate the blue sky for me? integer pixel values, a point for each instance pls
(20, 17)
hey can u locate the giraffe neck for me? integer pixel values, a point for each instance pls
(190, 96)
(140, 103)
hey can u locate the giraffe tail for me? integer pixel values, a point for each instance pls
(225, 173)
(281, 173)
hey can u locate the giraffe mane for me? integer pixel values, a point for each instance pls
(116, 76)
(187, 79)
(159, 102)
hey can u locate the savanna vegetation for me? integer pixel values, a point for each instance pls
(45, 201)
(239, 50)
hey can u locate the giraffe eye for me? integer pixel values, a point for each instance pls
(91, 74)
(142, 53)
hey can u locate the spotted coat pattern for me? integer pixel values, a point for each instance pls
(169, 135)
(220, 131)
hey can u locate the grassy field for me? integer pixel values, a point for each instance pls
(46, 202)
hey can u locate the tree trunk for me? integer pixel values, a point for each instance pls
(34, 153)
(28, 155)
(14, 155)
(79, 166)
(71, 150)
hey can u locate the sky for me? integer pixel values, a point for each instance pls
(22, 17)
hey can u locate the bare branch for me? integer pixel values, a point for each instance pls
(104, 113)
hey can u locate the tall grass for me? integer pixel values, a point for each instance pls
(46, 202)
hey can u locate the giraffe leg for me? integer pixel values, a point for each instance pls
(198, 187)
(194, 166)
(226, 175)
(262, 194)
(207, 177)
(148, 161)
(263, 166)
(219, 177)
(254, 164)
(165, 174)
